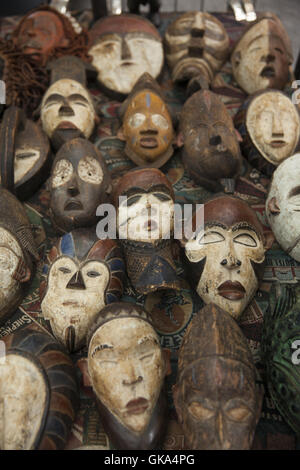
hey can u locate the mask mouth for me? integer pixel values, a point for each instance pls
(148, 142)
(66, 125)
(31, 44)
(137, 406)
(268, 72)
(278, 143)
(73, 205)
(127, 63)
(232, 290)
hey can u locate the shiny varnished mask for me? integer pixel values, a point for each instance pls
(197, 44)
(273, 125)
(148, 130)
(262, 57)
(67, 105)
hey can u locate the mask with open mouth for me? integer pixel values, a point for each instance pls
(225, 257)
(83, 274)
(269, 124)
(127, 368)
(79, 183)
(262, 57)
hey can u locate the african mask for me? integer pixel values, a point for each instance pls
(17, 251)
(127, 368)
(262, 57)
(83, 275)
(67, 108)
(39, 395)
(225, 257)
(25, 151)
(79, 182)
(269, 124)
(216, 399)
(196, 44)
(211, 152)
(282, 205)
(147, 125)
(124, 47)
(144, 199)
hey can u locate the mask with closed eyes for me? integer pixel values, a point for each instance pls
(217, 401)
(78, 184)
(225, 257)
(283, 205)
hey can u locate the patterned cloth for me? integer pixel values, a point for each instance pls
(171, 311)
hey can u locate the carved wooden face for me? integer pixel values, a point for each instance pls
(282, 206)
(23, 400)
(260, 59)
(41, 32)
(67, 105)
(77, 185)
(127, 370)
(197, 43)
(148, 129)
(122, 57)
(274, 126)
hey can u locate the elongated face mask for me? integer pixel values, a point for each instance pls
(274, 126)
(67, 105)
(127, 370)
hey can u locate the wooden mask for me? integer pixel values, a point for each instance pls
(147, 125)
(145, 218)
(282, 205)
(79, 182)
(124, 47)
(25, 152)
(67, 108)
(225, 260)
(196, 44)
(215, 395)
(127, 368)
(262, 57)
(83, 274)
(17, 251)
(211, 151)
(39, 395)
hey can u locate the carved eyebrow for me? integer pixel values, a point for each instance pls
(244, 225)
(294, 192)
(54, 97)
(148, 339)
(100, 348)
(77, 96)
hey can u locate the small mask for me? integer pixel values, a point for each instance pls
(270, 127)
(17, 250)
(124, 47)
(127, 368)
(145, 220)
(196, 44)
(147, 125)
(79, 183)
(282, 206)
(211, 151)
(262, 57)
(83, 275)
(39, 396)
(225, 261)
(25, 152)
(216, 399)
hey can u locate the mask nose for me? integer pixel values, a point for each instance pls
(73, 190)
(131, 375)
(125, 51)
(215, 140)
(268, 58)
(66, 110)
(76, 282)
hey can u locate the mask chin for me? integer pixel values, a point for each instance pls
(61, 136)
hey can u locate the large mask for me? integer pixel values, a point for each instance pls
(17, 251)
(83, 275)
(225, 259)
(127, 368)
(282, 206)
(145, 216)
(269, 124)
(39, 395)
(25, 152)
(147, 125)
(211, 151)
(79, 183)
(216, 399)
(124, 47)
(67, 108)
(196, 44)
(262, 57)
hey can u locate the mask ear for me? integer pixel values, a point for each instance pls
(22, 272)
(193, 252)
(177, 403)
(120, 134)
(179, 140)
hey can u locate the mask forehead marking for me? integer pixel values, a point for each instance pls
(148, 100)
(67, 245)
